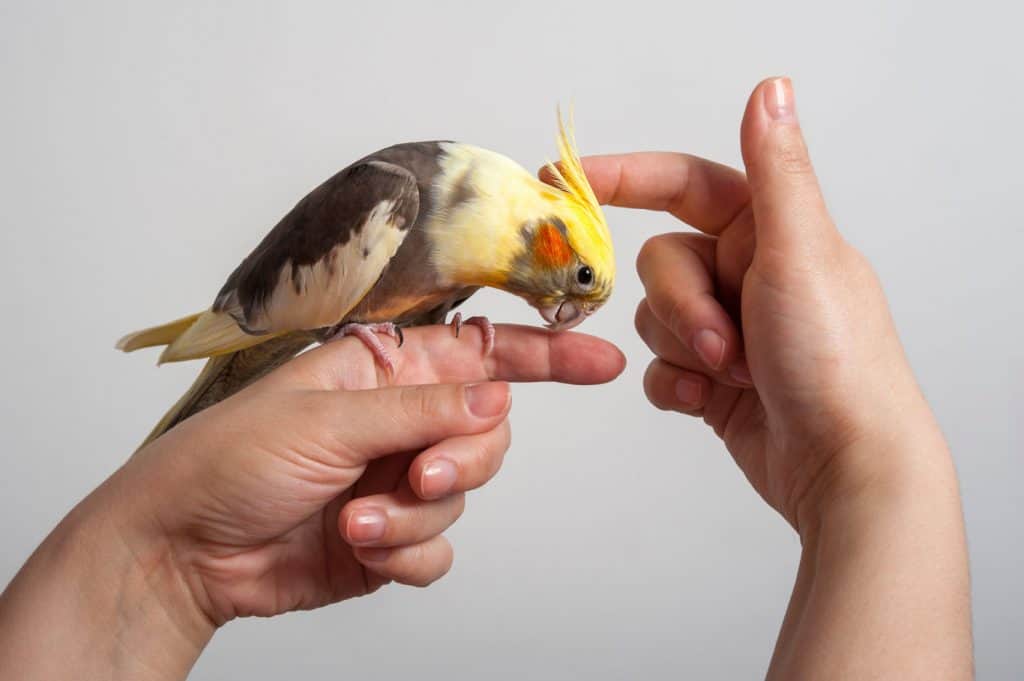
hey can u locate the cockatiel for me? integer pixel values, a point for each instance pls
(398, 238)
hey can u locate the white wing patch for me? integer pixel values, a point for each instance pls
(321, 294)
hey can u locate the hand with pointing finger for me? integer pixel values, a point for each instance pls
(775, 330)
(766, 322)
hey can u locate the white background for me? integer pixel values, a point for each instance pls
(146, 147)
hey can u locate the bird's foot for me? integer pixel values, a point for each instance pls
(367, 333)
(486, 328)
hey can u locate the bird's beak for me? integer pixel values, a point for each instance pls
(563, 315)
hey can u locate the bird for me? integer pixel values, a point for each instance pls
(399, 238)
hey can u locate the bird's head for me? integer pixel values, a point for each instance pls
(566, 268)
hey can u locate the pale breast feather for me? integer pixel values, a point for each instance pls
(323, 257)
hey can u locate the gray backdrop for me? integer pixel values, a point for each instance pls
(145, 149)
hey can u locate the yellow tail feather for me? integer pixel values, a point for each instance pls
(212, 334)
(164, 334)
(207, 334)
(226, 374)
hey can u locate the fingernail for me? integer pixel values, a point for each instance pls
(740, 373)
(374, 555)
(689, 392)
(710, 347)
(487, 399)
(779, 100)
(367, 525)
(438, 478)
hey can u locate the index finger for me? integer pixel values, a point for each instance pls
(433, 354)
(530, 353)
(701, 193)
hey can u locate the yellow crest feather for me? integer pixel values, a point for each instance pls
(593, 240)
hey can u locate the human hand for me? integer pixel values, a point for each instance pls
(768, 324)
(776, 331)
(328, 478)
(322, 481)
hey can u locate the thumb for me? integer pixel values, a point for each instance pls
(789, 210)
(362, 425)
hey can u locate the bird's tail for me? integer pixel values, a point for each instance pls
(165, 334)
(189, 403)
(225, 373)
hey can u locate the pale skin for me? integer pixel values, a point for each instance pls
(329, 478)
(319, 483)
(776, 331)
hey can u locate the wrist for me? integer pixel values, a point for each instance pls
(884, 583)
(156, 608)
(123, 609)
(888, 469)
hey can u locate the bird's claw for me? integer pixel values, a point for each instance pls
(486, 329)
(367, 333)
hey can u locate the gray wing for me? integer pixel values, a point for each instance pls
(326, 254)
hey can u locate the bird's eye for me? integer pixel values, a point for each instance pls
(585, 276)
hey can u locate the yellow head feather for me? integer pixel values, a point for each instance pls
(589, 235)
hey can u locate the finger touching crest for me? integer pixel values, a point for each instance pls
(701, 193)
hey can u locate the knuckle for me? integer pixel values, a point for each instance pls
(422, 401)
(791, 157)
(649, 251)
(493, 448)
(492, 453)
(417, 558)
(855, 261)
(312, 412)
(655, 399)
(651, 387)
(439, 564)
(650, 339)
(676, 313)
(447, 557)
(861, 273)
(482, 457)
(663, 307)
(310, 406)
(418, 514)
(640, 316)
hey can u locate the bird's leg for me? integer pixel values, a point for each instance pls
(367, 333)
(486, 328)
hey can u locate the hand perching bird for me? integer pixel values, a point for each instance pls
(399, 238)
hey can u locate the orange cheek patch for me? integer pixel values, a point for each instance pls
(550, 247)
